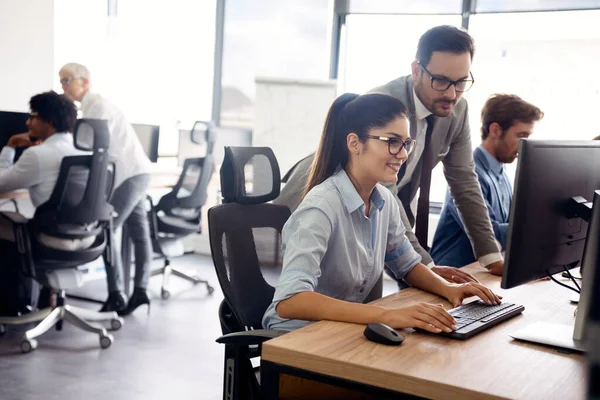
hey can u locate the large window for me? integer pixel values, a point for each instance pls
(153, 59)
(283, 39)
(550, 59)
(379, 48)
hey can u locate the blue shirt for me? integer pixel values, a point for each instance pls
(332, 248)
(451, 245)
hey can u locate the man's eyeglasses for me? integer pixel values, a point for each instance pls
(395, 145)
(67, 81)
(443, 84)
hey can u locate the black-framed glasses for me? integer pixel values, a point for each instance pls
(395, 145)
(442, 84)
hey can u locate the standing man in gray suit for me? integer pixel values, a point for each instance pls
(441, 73)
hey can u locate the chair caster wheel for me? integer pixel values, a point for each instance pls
(210, 289)
(116, 324)
(27, 346)
(165, 294)
(106, 341)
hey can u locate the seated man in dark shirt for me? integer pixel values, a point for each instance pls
(504, 120)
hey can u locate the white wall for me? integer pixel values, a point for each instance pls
(26, 51)
(289, 116)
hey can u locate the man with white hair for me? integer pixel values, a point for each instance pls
(132, 177)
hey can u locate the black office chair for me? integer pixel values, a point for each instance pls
(245, 237)
(78, 209)
(179, 212)
(238, 231)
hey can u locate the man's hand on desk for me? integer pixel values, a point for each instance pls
(22, 140)
(496, 268)
(454, 275)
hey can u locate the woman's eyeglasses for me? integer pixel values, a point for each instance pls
(395, 145)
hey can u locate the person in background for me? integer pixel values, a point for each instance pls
(132, 178)
(49, 139)
(348, 225)
(505, 119)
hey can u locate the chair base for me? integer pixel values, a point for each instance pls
(79, 317)
(166, 272)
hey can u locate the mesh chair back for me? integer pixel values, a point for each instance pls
(245, 232)
(80, 197)
(189, 195)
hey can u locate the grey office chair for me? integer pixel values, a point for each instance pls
(78, 209)
(179, 212)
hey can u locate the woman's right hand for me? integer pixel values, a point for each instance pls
(429, 317)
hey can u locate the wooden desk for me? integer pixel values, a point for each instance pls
(160, 180)
(490, 365)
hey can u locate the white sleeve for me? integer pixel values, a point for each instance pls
(22, 175)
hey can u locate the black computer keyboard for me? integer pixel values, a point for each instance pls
(477, 316)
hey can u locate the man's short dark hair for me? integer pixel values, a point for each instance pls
(55, 109)
(506, 110)
(444, 38)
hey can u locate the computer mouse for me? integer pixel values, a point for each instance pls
(383, 334)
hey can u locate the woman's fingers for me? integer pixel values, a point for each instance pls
(439, 314)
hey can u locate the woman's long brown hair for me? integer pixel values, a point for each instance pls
(350, 113)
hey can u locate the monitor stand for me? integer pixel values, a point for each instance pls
(549, 334)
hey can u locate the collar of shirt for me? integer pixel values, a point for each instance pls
(58, 137)
(350, 196)
(495, 166)
(421, 112)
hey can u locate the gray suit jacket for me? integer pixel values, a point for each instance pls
(451, 141)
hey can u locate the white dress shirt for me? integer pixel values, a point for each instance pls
(125, 146)
(38, 167)
(37, 170)
(421, 112)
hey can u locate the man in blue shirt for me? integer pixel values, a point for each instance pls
(504, 120)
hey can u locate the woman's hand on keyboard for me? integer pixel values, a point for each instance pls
(429, 317)
(456, 293)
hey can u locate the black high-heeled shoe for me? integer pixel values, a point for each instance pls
(116, 302)
(138, 298)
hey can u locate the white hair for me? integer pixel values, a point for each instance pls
(76, 70)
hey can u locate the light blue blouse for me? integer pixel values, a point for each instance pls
(331, 247)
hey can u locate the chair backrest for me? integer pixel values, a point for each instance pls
(245, 232)
(85, 182)
(204, 132)
(189, 195)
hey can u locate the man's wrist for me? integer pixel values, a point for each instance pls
(489, 259)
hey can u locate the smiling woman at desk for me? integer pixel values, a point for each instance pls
(348, 226)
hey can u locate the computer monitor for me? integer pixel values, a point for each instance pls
(554, 225)
(148, 135)
(11, 123)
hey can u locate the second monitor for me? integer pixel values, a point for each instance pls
(542, 239)
(554, 226)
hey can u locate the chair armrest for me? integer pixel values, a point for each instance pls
(15, 217)
(247, 338)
